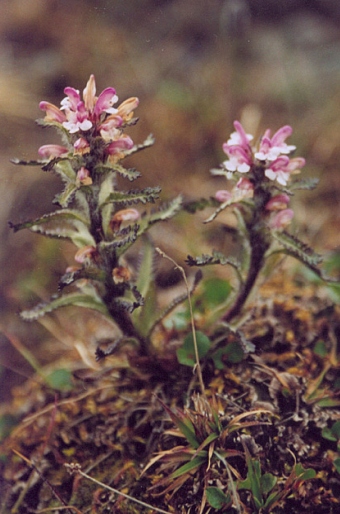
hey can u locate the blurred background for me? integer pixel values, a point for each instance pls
(196, 65)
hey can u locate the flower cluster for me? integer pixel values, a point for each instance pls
(82, 119)
(263, 165)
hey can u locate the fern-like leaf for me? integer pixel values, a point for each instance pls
(149, 194)
(72, 299)
(293, 246)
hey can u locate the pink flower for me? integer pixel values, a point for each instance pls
(239, 137)
(123, 215)
(278, 202)
(295, 164)
(85, 254)
(126, 108)
(84, 177)
(108, 129)
(123, 143)
(271, 148)
(279, 170)
(223, 196)
(238, 150)
(281, 219)
(82, 114)
(52, 151)
(245, 184)
(81, 146)
(52, 112)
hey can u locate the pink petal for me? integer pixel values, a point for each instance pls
(89, 94)
(281, 135)
(53, 113)
(105, 100)
(47, 151)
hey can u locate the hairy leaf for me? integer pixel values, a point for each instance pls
(149, 141)
(307, 183)
(75, 299)
(61, 224)
(149, 194)
(199, 205)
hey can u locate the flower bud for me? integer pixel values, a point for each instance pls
(245, 184)
(125, 110)
(83, 176)
(223, 195)
(52, 151)
(278, 202)
(281, 219)
(81, 146)
(84, 254)
(123, 215)
(121, 275)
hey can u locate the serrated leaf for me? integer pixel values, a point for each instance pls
(66, 196)
(130, 173)
(215, 258)
(88, 273)
(63, 168)
(297, 248)
(149, 141)
(149, 194)
(61, 224)
(199, 205)
(166, 211)
(72, 299)
(307, 183)
(22, 162)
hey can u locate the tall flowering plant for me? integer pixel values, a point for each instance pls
(93, 212)
(264, 182)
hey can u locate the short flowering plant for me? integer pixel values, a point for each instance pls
(101, 220)
(264, 182)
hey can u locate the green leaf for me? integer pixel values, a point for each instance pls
(72, 299)
(145, 284)
(22, 162)
(195, 463)
(297, 248)
(267, 482)
(333, 433)
(149, 194)
(64, 169)
(198, 205)
(304, 474)
(232, 352)
(7, 422)
(130, 173)
(320, 348)
(165, 212)
(60, 379)
(216, 291)
(149, 141)
(336, 463)
(186, 353)
(61, 224)
(307, 183)
(217, 498)
(66, 196)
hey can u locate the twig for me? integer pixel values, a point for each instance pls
(56, 494)
(75, 468)
(198, 365)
